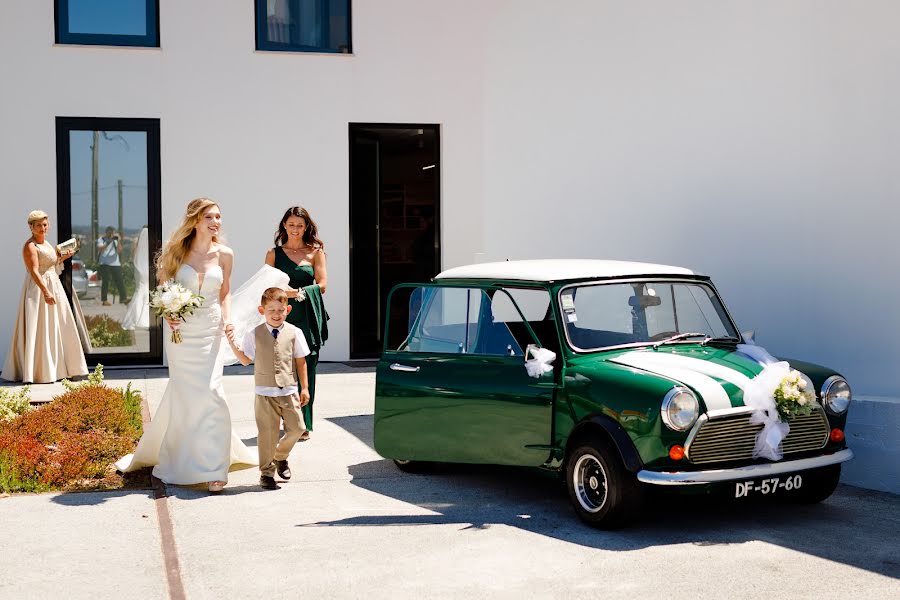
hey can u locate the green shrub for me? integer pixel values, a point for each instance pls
(95, 378)
(14, 403)
(107, 332)
(11, 478)
(70, 443)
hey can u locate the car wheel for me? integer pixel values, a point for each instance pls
(818, 484)
(413, 466)
(603, 493)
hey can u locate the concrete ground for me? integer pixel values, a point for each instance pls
(350, 525)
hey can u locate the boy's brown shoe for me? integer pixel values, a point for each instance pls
(284, 471)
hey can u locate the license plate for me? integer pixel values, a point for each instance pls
(767, 487)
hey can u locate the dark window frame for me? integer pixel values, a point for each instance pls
(268, 46)
(64, 36)
(154, 215)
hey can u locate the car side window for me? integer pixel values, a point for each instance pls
(509, 305)
(445, 320)
(454, 320)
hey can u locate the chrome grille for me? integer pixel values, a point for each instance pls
(732, 437)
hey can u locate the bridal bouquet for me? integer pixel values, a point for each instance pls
(172, 300)
(792, 399)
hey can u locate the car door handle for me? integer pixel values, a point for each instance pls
(404, 368)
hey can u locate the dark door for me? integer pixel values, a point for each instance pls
(394, 221)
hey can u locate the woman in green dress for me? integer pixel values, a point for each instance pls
(300, 253)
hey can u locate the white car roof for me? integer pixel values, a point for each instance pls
(560, 269)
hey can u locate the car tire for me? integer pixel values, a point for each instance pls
(818, 485)
(602, 492)
(413, 466)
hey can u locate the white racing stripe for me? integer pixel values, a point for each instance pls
(696, 364)
(694, 372)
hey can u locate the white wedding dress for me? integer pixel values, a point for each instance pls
(190, 439)
(137, 315)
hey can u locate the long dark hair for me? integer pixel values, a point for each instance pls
(310, 236)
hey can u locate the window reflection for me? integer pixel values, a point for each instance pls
(304, 25)
(110, 272)
(108, 17)
(107, 22)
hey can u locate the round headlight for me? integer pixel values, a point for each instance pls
(836, 394)
(680, 409)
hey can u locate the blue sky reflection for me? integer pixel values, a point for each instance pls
(113, 17)
(116, 161)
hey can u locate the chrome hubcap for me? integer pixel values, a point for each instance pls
(590, 483)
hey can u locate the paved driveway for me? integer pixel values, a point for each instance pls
(350, 525)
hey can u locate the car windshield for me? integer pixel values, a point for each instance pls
(643, 312)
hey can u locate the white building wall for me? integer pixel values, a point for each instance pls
(757, 142)
(257, 131)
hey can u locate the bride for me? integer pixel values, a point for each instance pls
(190, 439)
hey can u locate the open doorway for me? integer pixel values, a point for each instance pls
(394, 220)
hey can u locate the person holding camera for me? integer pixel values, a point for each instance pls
(109, 247)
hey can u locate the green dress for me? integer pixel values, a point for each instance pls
(301, 277)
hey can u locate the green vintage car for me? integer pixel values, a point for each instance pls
(646, 388)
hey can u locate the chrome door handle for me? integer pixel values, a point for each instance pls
(404, 368)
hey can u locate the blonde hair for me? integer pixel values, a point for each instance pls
(171, 257)
(273, 294)
(35, 216)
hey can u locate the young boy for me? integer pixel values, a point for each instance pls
(273, 348)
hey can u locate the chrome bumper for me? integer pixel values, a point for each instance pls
(741, 473)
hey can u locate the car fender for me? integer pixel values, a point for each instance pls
(619, 437)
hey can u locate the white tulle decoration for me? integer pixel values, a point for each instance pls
(759, 394)
(540, 364)
(757, 353)
(245, 304)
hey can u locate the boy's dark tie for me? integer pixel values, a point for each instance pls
(275, 335)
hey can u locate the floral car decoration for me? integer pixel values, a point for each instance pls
(619, 376)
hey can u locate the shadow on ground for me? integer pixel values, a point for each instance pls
(854, 526)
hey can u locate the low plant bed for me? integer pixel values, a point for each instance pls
(72, 442)
(106, 332)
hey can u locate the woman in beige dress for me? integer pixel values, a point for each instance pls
(45, 345)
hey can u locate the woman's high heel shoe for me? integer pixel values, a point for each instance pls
(217, 486)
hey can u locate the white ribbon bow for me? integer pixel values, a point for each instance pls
(759, 394)
(540, 364)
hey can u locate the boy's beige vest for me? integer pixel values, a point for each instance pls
(274, 361)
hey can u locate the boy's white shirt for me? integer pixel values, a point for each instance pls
(301, 349)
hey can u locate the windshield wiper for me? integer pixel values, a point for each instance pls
(722, 338)
(677, 337)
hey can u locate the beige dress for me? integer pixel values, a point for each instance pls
(45, 346)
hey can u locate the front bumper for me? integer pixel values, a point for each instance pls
(741, 473)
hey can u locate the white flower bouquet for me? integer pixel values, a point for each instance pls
(792, 399)
(173, 301)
